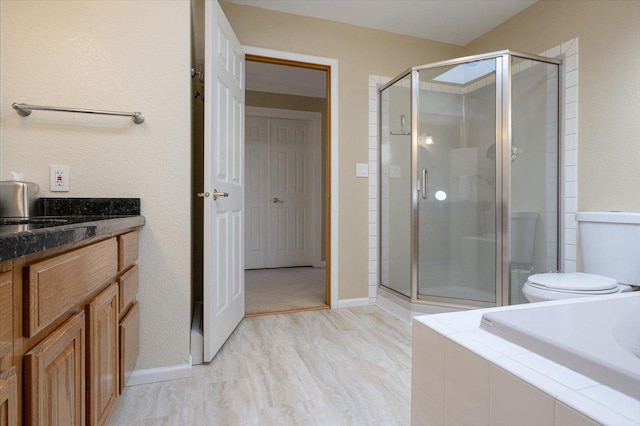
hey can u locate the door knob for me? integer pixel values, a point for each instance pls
(217, 194)
(276, 200)
(203, 194)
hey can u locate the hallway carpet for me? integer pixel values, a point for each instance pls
(283, 289)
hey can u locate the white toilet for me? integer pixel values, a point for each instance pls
(610, 243)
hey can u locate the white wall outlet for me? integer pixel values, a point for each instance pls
(60, 178)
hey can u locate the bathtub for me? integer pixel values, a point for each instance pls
(599, 338)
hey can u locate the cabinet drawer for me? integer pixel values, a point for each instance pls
(9, 398)
(55, 285)
(128, 283)
(129, 343)
(127, 250)
(6, 314)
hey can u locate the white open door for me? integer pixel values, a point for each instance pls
(223, 180)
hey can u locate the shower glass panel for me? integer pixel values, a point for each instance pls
(534, 171)
(469, 179)
(456, 165)
(395, 187)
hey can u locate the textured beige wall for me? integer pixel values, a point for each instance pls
(609, 88)
(113, 56)
(360, 52)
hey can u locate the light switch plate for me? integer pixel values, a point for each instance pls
(362, 170)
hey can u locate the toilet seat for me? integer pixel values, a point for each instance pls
(574, 283)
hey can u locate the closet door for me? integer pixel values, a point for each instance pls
(289, 238)
(257, 191)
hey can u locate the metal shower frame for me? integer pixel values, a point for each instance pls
(503, 173)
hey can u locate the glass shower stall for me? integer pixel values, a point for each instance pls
(469, 178)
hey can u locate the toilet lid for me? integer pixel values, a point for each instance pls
(574, 282)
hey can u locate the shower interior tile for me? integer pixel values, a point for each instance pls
(373, 280)
(373, 291)
(571, 142)
(554, 52)
(373, 193)
(570, 252)
(571, 79)
(570, 220)
(570, 204)
(570, 266)
(571, 62)
(571, 126)
(570, 173)
(568, 46)
(373, 217)
(571, 110)
(571, 95)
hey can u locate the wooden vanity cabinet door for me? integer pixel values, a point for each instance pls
(54, 377)
(102, 355)
(129, 343)
(6, 315)
(9, 398)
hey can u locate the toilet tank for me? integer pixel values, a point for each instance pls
(610, 243)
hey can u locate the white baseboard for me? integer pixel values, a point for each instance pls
(350, 303)
(161, 374)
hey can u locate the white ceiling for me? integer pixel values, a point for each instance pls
(450, 21)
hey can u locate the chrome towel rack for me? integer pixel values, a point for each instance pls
(25, 110)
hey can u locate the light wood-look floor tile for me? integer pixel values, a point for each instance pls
(347, 366)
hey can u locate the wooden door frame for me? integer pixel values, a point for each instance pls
(330, 66)
(314, 119)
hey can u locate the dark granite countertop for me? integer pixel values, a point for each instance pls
(76, 219)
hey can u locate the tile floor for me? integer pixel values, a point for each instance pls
(349, 366)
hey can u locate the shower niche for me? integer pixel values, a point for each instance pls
(469, 178)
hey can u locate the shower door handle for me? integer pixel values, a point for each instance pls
(425, 184)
